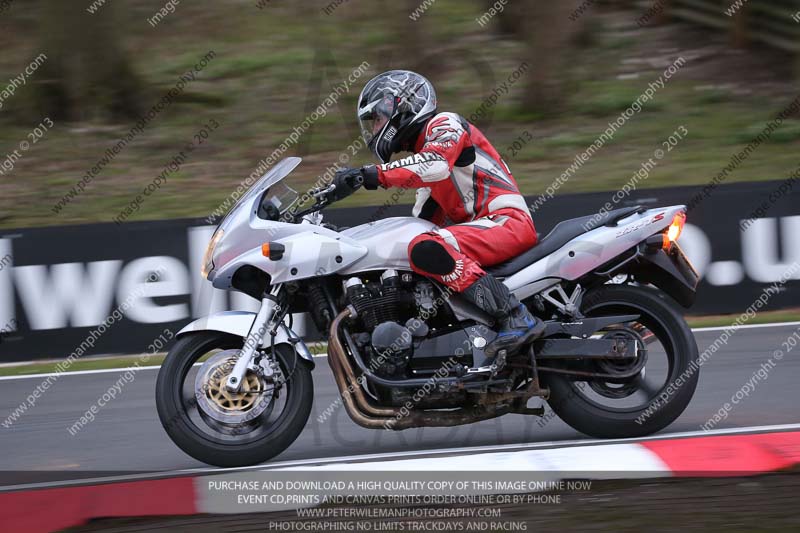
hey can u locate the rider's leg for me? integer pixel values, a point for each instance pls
(453, 256)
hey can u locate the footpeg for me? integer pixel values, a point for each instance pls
(497, 365)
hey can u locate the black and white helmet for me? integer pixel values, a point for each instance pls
(392, 108)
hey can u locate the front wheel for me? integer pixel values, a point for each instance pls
(653, 398)
(227, 429)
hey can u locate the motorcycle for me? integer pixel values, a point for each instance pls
(617, 358)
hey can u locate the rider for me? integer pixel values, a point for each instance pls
(459, 178)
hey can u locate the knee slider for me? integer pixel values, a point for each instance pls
(430, 256)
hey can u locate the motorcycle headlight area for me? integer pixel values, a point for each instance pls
(208, 257)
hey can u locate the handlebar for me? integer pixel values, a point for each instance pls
(325, 196)
(321, 192)
(329, 194)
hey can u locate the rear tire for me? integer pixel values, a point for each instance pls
(586, 416)
(184, 431)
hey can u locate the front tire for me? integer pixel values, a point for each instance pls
(179, 413)
(571, 402)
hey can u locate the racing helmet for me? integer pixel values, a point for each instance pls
(392, 108)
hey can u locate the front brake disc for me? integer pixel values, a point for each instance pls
(221, 405)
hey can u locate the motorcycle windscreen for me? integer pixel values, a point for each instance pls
(269, 180)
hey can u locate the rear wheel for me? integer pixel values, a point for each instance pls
(657, 394)
(228, 429)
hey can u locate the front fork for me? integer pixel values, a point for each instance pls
(262, 324)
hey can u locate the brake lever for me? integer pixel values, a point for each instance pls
(323, 193)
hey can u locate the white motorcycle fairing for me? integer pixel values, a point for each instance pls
(387, 243)
(310, 251)
(589, 251)
(313, 251)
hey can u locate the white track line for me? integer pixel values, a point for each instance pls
(400, 455)
(80, 372)
(748, 326)
(98, 371)
(321, 356)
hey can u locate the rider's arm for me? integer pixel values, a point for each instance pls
(445, 138)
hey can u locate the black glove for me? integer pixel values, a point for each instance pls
(370, 174)
(347, 181)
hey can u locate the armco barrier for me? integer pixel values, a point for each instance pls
(58, 285)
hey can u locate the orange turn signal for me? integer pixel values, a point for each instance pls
(273, 250)
(675, 229)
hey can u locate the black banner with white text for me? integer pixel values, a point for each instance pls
(60, 284)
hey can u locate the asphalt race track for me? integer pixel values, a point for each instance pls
(126, 435)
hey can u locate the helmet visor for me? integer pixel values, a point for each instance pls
(374, 115)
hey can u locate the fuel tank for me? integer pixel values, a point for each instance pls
(387, 242)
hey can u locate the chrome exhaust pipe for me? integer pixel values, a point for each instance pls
(361, 411)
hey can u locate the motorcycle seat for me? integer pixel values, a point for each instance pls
(560, 235)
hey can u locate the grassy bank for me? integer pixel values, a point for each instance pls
(271, 70)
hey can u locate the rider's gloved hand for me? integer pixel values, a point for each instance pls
(370, 174)
(348, 179)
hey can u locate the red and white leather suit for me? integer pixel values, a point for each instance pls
(461, 180)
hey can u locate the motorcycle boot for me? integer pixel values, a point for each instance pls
(515, 326)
